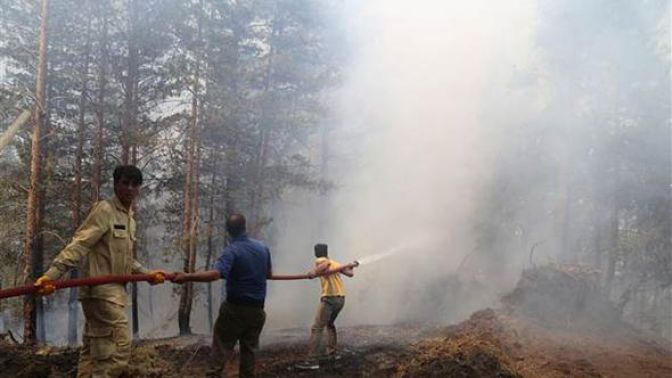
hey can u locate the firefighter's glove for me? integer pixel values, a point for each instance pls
(311, 274)
(157, 277)
(44, 286)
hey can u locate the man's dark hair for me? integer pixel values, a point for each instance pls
(129, 171)
(321, 250)
(235, 224)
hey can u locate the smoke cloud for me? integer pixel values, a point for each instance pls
(414, 148)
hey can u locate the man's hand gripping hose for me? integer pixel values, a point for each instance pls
(44, 286)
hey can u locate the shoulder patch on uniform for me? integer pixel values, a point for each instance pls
(119, 226)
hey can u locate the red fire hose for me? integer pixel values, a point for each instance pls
(101, 280)
(287, 277)
(89, 281)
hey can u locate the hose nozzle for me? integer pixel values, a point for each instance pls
(355, 264)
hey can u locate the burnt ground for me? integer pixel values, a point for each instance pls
(489, 344)
(556, 323)
(368, 351)
(501, 344)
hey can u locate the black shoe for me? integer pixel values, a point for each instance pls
(307, 365)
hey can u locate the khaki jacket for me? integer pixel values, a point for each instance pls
(102, 245)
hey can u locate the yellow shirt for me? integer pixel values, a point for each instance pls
(102, 245)
(332, 285)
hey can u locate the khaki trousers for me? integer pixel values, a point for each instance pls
(327, 312)
(107, 345)
(236, 324)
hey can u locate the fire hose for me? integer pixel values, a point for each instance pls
(101, 280)
(287, 277)
(88, 281)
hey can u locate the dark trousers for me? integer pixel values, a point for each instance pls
(236, 324)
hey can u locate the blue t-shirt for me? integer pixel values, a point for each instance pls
(245, 264)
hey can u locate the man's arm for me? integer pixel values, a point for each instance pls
(207, 276)
(87, 235)
(322, 267)
(221, 269)
(348, 271)
(138, 268)
(159, 275)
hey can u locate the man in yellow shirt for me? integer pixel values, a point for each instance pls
(103, 245)
(332, 300)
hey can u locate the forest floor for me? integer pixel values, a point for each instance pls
(527, 337)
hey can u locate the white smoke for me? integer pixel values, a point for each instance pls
(422, 75)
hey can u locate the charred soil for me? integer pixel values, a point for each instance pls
(556, 323)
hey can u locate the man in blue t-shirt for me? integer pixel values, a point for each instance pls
(245, 264)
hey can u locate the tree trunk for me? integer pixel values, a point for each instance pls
(98, 153)
(2, 314)
(189, 222)
(129, 127)
(193, 245)
(185, 296)
(38, 249)
(183, 313)
(211, 227)
(612, 246)
(32, 225)
(597, 234)
(258, 192)
(46, 181)
(76, 198)
(256, 206)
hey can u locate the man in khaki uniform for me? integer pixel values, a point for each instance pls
(103, 245)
